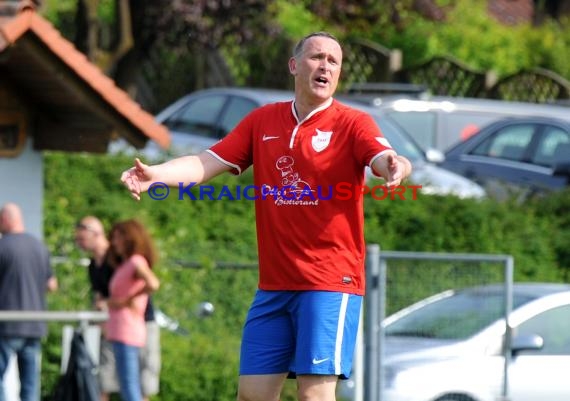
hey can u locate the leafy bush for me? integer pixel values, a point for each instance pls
(471, 35)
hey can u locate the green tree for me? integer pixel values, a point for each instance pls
(139, 42)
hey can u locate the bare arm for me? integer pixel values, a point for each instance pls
(143, 271)
(99, 302)
(393, 168)
(52, 284)
(195, 168)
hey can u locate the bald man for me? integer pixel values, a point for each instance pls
(90, 237)
(25, 278)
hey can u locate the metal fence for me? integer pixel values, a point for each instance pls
(394, 281)
(82, 318)
(398, 279)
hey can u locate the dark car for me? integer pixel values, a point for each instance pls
(515, 156)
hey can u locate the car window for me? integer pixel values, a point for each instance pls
(420, 125)
(553, 147)
(236, 109)
(457, 317)
(199, 117)
(553, 326)
(399, 141)
(508, 143)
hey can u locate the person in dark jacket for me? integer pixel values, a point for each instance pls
(25, 278)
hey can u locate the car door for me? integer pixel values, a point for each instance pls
(501, 161)
(540, 375)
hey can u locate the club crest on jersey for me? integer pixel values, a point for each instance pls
(321, 140)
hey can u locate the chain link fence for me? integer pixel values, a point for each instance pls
(396, 280)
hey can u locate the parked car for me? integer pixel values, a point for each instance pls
(198, 120)
(434, 179)
(449, 347)
(525, 155)
(440, 122)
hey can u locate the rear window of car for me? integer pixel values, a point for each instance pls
(199, 117)
(456, 317)
(236, 109)
(553, 148)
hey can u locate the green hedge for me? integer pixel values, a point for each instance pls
(202, 365)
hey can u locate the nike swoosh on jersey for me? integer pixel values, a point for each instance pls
(266, 137)
(317, 361)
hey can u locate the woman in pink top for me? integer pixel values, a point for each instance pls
(132, 254)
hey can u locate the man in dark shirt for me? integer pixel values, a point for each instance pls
(90, 237)
(25, 278)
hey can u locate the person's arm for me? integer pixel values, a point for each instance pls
(52, 284)
(186, 169)
(393, 168)
(144, 272)
(99, 302)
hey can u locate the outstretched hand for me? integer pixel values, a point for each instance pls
(137, 179)
(396, 169)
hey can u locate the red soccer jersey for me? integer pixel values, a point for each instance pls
(310, 235)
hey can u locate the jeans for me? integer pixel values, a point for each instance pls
(28, 351)
(128, 371)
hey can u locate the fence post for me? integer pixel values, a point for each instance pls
(381, 313)
(372, 325)
(509, 270)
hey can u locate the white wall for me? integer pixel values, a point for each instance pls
(21, 181)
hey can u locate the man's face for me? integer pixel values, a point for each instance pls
(317, 68)
(85, 236)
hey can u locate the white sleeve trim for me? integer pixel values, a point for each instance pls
(383, 153)
(227, 163)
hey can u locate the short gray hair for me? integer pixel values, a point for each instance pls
(298, 49)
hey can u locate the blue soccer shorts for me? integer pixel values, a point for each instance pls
(300, 333)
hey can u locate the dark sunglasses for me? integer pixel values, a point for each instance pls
(81, 226)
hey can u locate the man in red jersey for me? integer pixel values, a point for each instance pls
(304, 317)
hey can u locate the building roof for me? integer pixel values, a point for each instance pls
(76, 107)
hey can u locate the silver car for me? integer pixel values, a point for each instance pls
(441, 122)
(198, 120)
(449, 347)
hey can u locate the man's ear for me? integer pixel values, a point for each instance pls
(293, 66)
